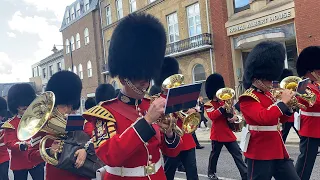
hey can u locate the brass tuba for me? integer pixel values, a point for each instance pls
(191, 121)
(291, 82)
(42, 116)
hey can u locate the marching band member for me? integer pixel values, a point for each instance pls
(308, 66)
(20, 97)
(187, 155)
(88, 127)
(105, 92)
(266, 153)
(130, 142)
(90, 102)
(66, 87)
(4, 154)
(290, 123)
(221, 135)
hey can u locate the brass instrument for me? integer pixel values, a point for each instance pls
(227, 96)
(191, 121)
(291, 83)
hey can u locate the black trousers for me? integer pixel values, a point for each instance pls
(4, 168)
(188, 159)
(281, 169)
(37, 173)
(308, 153)
(286, 129)
(235, 152)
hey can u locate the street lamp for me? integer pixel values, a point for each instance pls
(70, 49)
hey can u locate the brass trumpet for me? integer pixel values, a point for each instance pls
(191, 121)
(227, 95)
(291, 83)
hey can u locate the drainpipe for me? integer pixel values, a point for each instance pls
(211, 58)
(104, 50)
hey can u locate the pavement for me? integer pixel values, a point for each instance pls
(203, 135)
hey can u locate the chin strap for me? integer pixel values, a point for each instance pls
(261, 85)
(133, 87)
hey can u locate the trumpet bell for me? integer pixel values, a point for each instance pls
(191, 123)
(41, 116)
(173, 81)
(290, 82)
(225, 94)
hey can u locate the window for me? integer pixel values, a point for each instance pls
(73, 15)
(69, 69)
(119, 9)
(89, 68)
(194, 22)
(44, 73)
(75, 69)
(241, 5)
(78, 10)
(108, 15)
(72, 43)
(80, 71)
(67, 46)
(59, 66)
(133, 5)
(86, 36)
(151, 1)
(199, 74)
(34, 72)
(78, 44)
(173, 28)
(86, 5)
(50, 70)
(67, 16)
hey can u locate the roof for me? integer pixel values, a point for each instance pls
(52, 57)
(4, 87)
(93, 5)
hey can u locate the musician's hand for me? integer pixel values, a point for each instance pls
(233, 119)
(190, 111)
(81, 155)
(166, 125)
(156, 110)
(286, 96)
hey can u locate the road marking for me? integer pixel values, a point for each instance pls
(201, 175)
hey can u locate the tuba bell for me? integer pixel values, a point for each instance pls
(42, 116)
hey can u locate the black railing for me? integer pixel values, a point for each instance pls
(190, 43)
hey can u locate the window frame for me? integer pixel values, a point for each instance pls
(119, 10)
(72, 43)
(193, 17)
(86, 5)
(44, 73)
(193, 74)
(89, 69)
(151, 1)
(68, 16)
(78, 10)
(78, 42)
(80, 70)
(59, 66)
(131, 2)
(67, 46)
(169, 24)
(51, 70)
(75, 69)
(73, 14)
(240, 9)
(108, 15)
(86, 36)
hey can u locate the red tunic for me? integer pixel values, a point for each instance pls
(128, 142)
(52, 173)
(260, 109)
(310, 125)
(4, 154)
(19, 159)
(220, 130)
(187, 139)
(88, 128)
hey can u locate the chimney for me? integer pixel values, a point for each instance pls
(54, 49)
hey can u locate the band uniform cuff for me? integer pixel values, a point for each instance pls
(144, 130)
(283, 108)
(172, 142)
(222, 110)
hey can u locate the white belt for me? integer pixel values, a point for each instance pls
(141, 171)
(2, 144)
(313, 114)
(264, 128)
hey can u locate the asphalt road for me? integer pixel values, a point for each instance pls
(227, 168)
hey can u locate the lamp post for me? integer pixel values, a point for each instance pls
(70, 49)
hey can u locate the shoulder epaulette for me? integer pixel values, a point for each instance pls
(7, 125)
(105, 102)
(249, 93)
(99, 112)
(208, 104)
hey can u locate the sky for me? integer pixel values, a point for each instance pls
(29, 29)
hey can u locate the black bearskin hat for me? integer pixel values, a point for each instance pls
(105, 92)
(3, 107)
(66, 87)
(90, 102)
(265, 62)
(286, 73)
(20, 95)
(155, 90)
(308, 60)
(169, 67)
(137, 48)
(213, 83)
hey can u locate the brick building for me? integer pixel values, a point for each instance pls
(188, 29)
(81, 32)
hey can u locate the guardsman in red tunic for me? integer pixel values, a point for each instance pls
(19, 98)
(130, 141)
(187, 155)
(308, 66)
(266, 153)
(290, 122)
(66, 87)
(88, 127)
(4, 154)
(221, 134)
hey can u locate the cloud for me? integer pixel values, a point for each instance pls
(48, 34)
(11, 34)
(5, 64)
(57, 6)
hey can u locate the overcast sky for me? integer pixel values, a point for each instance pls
(28, 31)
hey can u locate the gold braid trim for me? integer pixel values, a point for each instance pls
(8, 125)
(249, 93)
(208, 104)
(99, 112)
